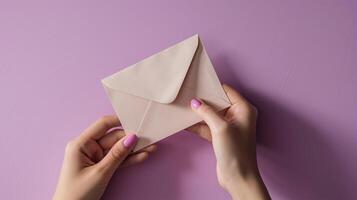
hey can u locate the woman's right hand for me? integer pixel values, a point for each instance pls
(233, 137)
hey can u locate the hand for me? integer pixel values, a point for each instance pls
(233, 138)
(91, 160)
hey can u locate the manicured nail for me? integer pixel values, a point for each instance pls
(195, 103)
(130, 140)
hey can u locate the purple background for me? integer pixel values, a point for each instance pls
(295, 60)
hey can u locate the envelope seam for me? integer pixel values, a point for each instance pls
(209, 69)
(144, 116)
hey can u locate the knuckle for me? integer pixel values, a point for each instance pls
(222, 127)
(117, 153)
(206, 109)
(253, 110)
(105, 120)
(250, 109)
(71, 145)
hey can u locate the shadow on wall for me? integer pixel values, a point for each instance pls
(294, 156)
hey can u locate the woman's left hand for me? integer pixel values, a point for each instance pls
(92, 158)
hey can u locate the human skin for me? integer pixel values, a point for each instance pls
(233, 137)
(92, 158)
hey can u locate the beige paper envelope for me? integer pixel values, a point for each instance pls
(152, 97)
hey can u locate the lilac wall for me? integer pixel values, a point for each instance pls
(295, 60)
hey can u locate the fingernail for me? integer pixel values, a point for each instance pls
(130, 140)
(195, 103)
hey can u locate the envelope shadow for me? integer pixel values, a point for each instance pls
(294, 154)
(161, 176)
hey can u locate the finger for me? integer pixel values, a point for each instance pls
(117, 154)
(114, 136)
(107, 141)
(240, 102)
(233, 95)
(99, 128)
(201, 130)
(135, 159)
(150, 149)
(206, 112)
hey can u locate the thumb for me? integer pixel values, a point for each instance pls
(214, 121)
(118, 153)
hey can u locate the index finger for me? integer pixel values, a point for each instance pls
(99, 128)
(233, 95)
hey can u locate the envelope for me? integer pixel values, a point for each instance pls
(152, 97)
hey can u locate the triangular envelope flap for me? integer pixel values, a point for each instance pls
(158, 77)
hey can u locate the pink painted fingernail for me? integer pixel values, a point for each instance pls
(130, 140)
(195, 103)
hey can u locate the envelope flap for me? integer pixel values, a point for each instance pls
(158, 77)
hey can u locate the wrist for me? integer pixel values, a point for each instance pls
(240, 177)
(246, 184)
(235, 171)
